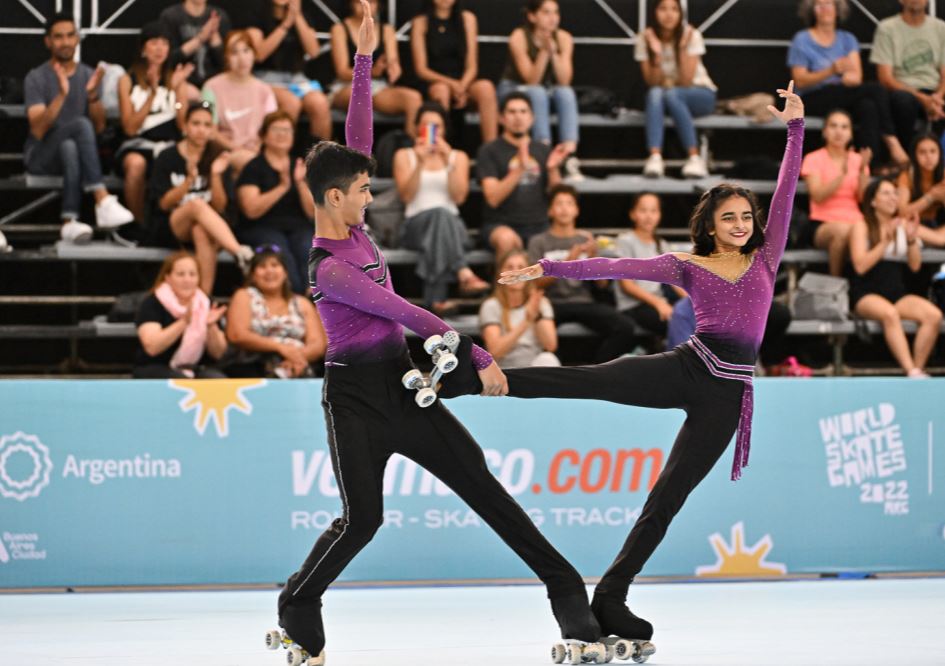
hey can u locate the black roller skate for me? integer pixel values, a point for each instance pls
(302, 635)
(580, 632)
(625, 635)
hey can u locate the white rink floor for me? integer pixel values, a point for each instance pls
(819, 623)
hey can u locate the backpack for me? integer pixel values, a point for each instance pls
(384, 151)
(594, 99)
(822, 297)
(384, 218)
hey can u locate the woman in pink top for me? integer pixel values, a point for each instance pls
(240, 100)
(836, 177)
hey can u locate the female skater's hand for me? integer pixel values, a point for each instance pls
(493, 381)
(793, 106)
(366, 31)
(533, 272)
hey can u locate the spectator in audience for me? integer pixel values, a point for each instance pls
(276, 206)
(151, 118)
(878, 287)
(388, 97)
(433, 181)
(283, 39)
(826, 68)
(516, 174)
(836, 176)
(240, 101)
(445, 48)
(65, 112)
(649, 304)
(573, 300)
(197, 29)
(188, 196)
(541, 65)
(517, 322)
(909, 54)
(670, 56)
(922, 187)
(178, 327)
(278, 333)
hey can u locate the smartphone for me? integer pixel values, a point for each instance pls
(428, 134)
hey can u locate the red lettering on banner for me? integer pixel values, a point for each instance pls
(597, 468)
(639, 457)
(554, 471)
(588, 465)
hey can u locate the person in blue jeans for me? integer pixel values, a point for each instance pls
(670, 56)
(541, 65)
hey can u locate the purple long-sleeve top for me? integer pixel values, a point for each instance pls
(734, 311)
(363, 318)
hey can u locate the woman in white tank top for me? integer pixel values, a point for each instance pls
(433, 181)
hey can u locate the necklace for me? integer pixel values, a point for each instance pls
(722, 255)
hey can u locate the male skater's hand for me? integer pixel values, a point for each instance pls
(493, 381)
(366, 31)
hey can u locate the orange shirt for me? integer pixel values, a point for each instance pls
(842, 205)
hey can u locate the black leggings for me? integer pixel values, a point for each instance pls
(867, 103)
(673, 380)
(370, 416)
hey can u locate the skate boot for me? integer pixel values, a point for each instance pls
(302, 635)
(464, 380)
(580, 632)
(625, 635)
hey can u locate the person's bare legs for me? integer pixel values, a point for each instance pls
(873, 306)
(205, 252)
(441, 94)
(198, 212)
(318, 111)
(833, 237)
(287, 102)
(136, 168)
(504, 239)
(400, 100)
(483, 95)
(929, 318)
(340, 99)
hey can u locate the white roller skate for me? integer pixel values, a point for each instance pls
(296, 655)
(626, 649)
(579, 652)
(443, 351)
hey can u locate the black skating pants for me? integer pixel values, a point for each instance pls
(370, 416)
(676, 379)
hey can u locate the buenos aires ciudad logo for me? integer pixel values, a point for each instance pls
(25, 466)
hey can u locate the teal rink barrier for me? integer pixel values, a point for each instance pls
(229, 481)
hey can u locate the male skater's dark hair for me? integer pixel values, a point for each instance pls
(331, 165)
(702, 220)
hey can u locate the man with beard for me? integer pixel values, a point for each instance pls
(65, 112)
(516, 174)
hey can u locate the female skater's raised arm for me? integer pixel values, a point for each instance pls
(782, 202)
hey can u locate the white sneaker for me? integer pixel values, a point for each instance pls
(243, 256)
(572, 170)
(110, 214)
(76, 232)
(654, 166)
(917, 373)
(4, 245)
(695, 167)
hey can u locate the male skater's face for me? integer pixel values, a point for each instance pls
(354, 202)
(517, 118)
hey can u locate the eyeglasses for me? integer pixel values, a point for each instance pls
(270, 247)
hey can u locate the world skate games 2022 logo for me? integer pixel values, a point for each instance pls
(25, 466)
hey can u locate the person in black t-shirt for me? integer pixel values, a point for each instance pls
(516, 174)
(178, 327)
(283, 38)
(276, 205)
(196, 30)
(443, 41)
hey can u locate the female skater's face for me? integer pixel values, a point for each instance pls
(515, 262)
(646, 213)
(886, 200)
(734, 223)
(269, 276)
(838, 131)
(184, 278)
(198, 127)
(547, 18)
(668, 14)
(927, 154)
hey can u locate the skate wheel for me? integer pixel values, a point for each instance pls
(624, 649)
(412, 379)
(295, 657)
(273, 639)
(426, 397)
(558, 653)
(595, 653)
(643, 652)
(430, 344)
(451, 340)
(574, 654)
(611, 653)
(447, 363)
(316, 661)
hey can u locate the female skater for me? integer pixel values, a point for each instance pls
(368, 413)
(730, 277)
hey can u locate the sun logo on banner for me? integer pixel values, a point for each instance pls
(735, 559)
(213, 399)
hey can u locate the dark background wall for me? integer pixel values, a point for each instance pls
(737, 69)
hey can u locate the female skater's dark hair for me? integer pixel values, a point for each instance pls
(677, 34)
(702, 221)
(330, 165)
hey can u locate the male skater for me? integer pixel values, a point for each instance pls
(369, 414)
